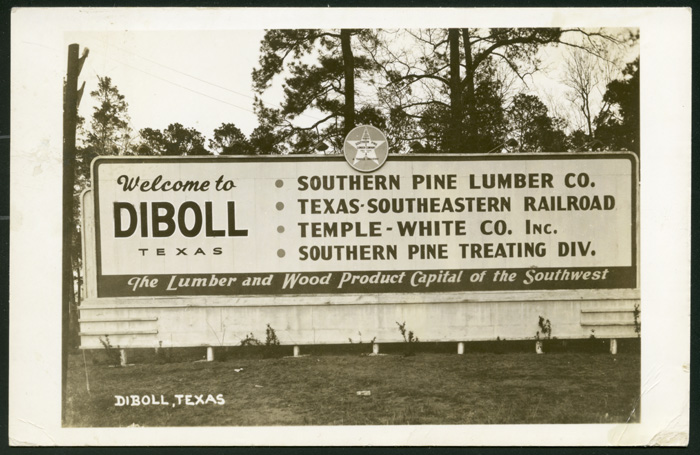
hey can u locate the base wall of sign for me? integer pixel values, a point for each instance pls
(162, 322)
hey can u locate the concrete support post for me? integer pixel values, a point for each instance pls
(122, 357)
(296, 351)
(210, 354)
(375, 348)
(613, 346)
(538, 347)
(460, 348)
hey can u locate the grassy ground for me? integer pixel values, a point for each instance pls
(427, 388)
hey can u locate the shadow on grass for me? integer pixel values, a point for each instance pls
(232, 353)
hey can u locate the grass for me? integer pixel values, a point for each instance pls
(428, 388)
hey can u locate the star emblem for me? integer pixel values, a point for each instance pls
(366, 148)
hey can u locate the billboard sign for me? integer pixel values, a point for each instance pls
(313, 225)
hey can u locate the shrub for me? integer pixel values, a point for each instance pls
(250, 340)
(271, 337)
(271, 341)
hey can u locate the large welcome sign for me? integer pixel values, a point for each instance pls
(314, 225)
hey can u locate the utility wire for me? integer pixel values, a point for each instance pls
(180, 72)
(182, 86)
(190, 76)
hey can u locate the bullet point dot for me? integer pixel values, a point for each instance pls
(280, 253)
(280, 229)
(279, 206)
(279, 183)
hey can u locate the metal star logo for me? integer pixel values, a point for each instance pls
(366, 148)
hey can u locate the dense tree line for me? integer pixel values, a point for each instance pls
(431, 91)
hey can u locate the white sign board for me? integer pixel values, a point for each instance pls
(310, 225)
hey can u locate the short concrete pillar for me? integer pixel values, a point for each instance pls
(538, 347)
(296, 351)
(375, 348)
(613, 346)
(210, 354)
(122, 357)
(460, 348)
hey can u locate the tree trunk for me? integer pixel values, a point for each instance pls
(456, 111)
(349, 63)
(587, 114)
(469, 81)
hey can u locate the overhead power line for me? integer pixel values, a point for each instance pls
(181, 86)
(190, 76)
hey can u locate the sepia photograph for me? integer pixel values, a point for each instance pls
(293, 222)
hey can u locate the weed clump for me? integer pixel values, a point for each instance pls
(250, 340)
(271, 337)
(113, 354)
(543, 343)
(271, 341)
(637, 320)
(360, 339)
(409, 339)
(268, 347)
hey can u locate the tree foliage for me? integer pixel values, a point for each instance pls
(532, 127)
(109, 132)
(321, 70)
(175, 140)
(581, 77)
(448, 84)
(619, 126)
(458, 90)
(230, 140)
(448, 88)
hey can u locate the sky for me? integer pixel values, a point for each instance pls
(203, 79)
(169, 77)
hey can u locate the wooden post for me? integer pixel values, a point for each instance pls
(210, 354)
(122, 357)
(296, 351)
(375, 348)
(349, 67)
(71, 100)
(460, 348)
(613, 346)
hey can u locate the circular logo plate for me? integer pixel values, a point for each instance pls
(366, 148)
